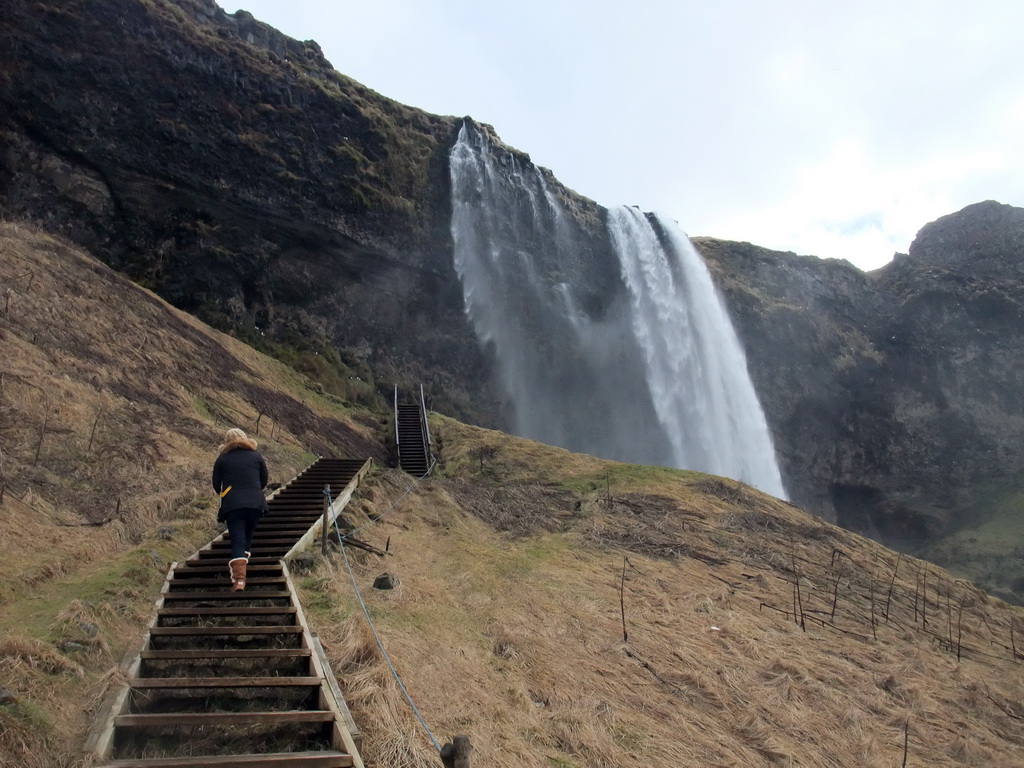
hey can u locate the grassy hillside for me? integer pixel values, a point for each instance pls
(112, 404)
(508, 625)
(563, 610)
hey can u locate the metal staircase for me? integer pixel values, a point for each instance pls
(412, 435)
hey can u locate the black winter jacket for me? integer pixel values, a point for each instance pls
(245, 471)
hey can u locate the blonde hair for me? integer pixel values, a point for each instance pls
(236, 438)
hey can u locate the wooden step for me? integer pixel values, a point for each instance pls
(200, 719)
(226, 682)
(212, 631)
(280, 760)
(250, 581)
(225, 595)
(228, 610)
(198, 570)
(247, 653)
(257, 541)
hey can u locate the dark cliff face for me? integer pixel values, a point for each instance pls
(232, 170)
(897, 393)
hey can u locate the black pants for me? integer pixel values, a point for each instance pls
(241, 525)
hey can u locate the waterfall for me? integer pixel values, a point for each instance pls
(632, 359)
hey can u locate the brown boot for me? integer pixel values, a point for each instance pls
(237, 566)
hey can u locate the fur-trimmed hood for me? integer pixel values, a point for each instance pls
(248, 444)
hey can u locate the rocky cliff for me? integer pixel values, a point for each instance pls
(895, 393)
(232, 170)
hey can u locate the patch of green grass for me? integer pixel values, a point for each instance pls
(27, 716)
(202, 408)
(623, 477)
(628, 739)
(990, 550)
(132, 576)
(322, 607)
(338, 372)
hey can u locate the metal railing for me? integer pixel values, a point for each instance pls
(426, 425)
(397, 439)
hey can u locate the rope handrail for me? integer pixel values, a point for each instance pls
(359, 595)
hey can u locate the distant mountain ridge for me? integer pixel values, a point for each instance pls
(232, 170)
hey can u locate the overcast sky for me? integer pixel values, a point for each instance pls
(832, 129)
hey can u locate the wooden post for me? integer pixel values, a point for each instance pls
(327, 510)
(456, 754)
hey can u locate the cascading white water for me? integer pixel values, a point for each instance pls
(695, 367)
(650, 372)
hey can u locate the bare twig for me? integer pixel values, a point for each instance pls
(42, 431)
(659, 678)
(959, 626)
(772, 608)
(364, 546)
(92, 432)
(799, 604)
(1004, 710)
(835, 589)
(622, 601)
(949, 617)
(892, 583)
(924, 598)
(259, 417)
(871, 586)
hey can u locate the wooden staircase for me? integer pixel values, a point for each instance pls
(237, 678)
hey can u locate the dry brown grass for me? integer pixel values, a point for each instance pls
(514, 561)
(517, 639)
(111, 405)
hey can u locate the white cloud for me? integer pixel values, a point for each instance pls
(831, 129)
(848, 206)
